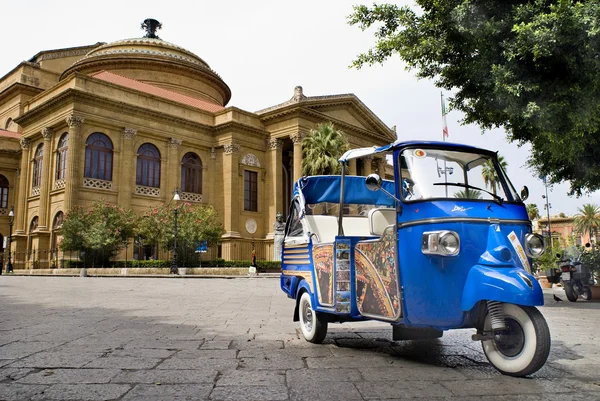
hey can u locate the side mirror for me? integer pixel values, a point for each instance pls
(524, 193)
(587, 245)
(373, 182)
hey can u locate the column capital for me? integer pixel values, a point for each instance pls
(297, 138)
(368, 158)
(230, 148)
(275, 144)
(47, 134)
(174, 143)
(129, 133)
(74, 121)
(25, 143)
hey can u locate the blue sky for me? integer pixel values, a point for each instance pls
(263, 49)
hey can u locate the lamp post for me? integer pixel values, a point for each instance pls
(11, 219)
(174, 264)
(547, 206)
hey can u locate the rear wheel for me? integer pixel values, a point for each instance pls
(313, 324)
(523, 347)
(570, 292)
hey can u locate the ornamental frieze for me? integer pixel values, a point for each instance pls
(129, 133)
(230, 148)
(174, 142)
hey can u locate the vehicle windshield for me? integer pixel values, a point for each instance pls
(443, 174)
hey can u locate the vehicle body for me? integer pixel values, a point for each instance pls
(427, 251)
(575, 277)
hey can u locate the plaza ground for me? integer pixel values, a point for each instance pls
(99, 338)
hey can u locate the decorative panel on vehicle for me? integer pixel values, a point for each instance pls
(377, 284)
(323, 262)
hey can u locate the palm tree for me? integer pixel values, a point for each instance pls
(588, 219)
(468, 194)
(533, 212)
(322, 148)
(490, 176)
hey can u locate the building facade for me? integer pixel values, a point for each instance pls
(132, 121)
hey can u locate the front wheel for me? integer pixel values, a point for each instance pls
(523, 347)
(587, 293)
(570, 292)
(313, 324)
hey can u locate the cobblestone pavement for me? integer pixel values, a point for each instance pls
(71, 338)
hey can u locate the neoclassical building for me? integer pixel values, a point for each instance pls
(134, 120)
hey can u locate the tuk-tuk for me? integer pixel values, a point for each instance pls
(445, 244)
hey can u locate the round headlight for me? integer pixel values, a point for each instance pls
(534, 245)
(449, 243)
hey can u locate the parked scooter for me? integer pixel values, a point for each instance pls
(575, 277)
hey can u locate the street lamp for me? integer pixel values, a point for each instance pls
(547, 206)
(11, 219)
(176, 198)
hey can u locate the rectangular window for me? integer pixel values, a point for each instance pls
(250, 191)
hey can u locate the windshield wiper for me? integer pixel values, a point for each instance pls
(497, 198)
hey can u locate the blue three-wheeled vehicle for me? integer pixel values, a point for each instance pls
(445, 244)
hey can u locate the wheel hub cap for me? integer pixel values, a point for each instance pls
(511, 341)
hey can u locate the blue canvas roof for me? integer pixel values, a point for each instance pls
(326, 188)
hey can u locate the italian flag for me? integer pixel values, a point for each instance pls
(444, 112)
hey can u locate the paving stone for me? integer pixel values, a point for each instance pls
(70, 376)
(401, 389)
(207, 354)
(14, 374)
(252, 378)
(154, 376)
(250, 393)
(19, 392)
(318, 391)
(271, 362)
(83, 392)
(170, 392)
(191, 363)
(223, 344)
(349, 362)
(123, 362)
(24, 348)
(411, 372)
(323, 375)
(56, 360)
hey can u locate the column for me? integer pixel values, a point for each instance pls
(173, 175)
(127, 167)
(231, 190)
(46, 178)
(367, 161)
(21, 199)
(297, 139)
(275, 195)
(74, 151)
(352, 167)
(381, 163)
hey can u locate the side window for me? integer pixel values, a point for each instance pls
(294, 226)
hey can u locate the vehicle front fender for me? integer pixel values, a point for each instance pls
(503, 284)
(302, 285)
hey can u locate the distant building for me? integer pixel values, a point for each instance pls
(134, 120)
(563, 230)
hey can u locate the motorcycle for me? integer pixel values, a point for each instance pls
(575, 277)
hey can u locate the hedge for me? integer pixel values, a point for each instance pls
(261, 265)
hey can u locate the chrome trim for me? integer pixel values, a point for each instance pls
(462, 220)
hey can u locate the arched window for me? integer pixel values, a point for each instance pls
(61, 157)
(98, 157)
(148, 166)
(3, 192)
(37, 166)
(58, 220)
(34, 224)
(191, 173)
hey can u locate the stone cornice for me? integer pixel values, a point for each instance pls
(19, 88)
(230, 125)
(66, 52)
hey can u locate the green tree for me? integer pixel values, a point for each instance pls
(195, 223)
(468, 194)
(322, 148)
(100, 231)
(587, 220)
(528, 66)
(490, 175)
(532, 211)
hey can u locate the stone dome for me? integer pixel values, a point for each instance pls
(156, 62)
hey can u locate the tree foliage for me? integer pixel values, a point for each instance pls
(322, 148)
(530, 66)
(490, 174)
(532, 211)
(100, 229)
(587, 220)
(195, 223)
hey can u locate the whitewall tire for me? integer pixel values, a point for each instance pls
(313, 324)
(523, 348)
